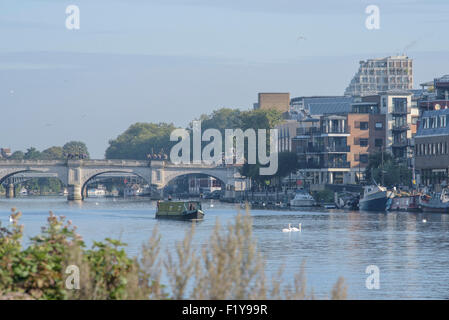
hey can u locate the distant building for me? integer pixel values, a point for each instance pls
(277, 101)
(431, 148)
(5, 152)
(383, 74)
(334, 149)
(396, 106)
(435, 95)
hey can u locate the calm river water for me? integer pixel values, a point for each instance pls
(413, 256)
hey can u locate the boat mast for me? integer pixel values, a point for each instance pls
(382, 167)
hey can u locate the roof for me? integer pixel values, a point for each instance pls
(323, 105)
(433, 131)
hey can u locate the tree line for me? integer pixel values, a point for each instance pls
(52, 153)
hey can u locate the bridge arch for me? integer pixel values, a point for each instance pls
(11, 178)
(220, 174)
(89, 177)
(51, 174)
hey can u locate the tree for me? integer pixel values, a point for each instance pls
(17, 155)
(32, 154)
(53, 153)
(141, 139)
(75, 148)
(394, 172)
(287, 163)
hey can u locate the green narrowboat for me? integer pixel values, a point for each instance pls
(182, 210)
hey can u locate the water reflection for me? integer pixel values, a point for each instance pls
(411, 254)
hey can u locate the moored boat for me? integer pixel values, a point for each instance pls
(182, 210)
(375, 198)
(438, 202)
(405, 203)
(302, 199)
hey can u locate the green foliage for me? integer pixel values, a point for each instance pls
(141, 139)
(287, 163)
(32, 154)
(17, 155)
(39, 270)
(393, 172)
(110, 263)
(76, 148)
(324, 196)
(36, 270)
(53, 153)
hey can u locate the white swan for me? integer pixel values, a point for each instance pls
(297, 229)
(289, 228)
(11, 219)
(424, 220)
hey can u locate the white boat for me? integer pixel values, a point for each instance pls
(92, 193)
(23, 191)
(302, 199)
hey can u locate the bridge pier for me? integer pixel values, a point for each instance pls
(74, 193)
(10, 191)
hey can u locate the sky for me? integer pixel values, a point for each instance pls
(173, 60)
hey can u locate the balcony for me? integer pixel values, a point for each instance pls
(323, 149)
(337, 165)
(309, 165)
(336, 131)
(400, 143)
(398, 110)
(402, 127)
(307, 131)
(309, 149)
(338, 149)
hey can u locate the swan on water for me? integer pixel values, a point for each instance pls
(297, 229)
(289, 228)
(424, 220)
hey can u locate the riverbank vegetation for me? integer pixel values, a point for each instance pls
(143, 139)
(228, 266)
(52, 153)
(384, 167)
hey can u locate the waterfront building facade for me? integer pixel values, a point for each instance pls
(334, 149)
(431, 148)
(396, 106)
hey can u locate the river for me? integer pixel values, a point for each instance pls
(412, 255)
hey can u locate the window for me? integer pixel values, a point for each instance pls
(434, 122)
(364, 125)
(379, 125)
(378, 142)
(363, 142)
(443, 121)
(363, 158)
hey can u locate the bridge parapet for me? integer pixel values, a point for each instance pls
(113, 163)
(9, 162)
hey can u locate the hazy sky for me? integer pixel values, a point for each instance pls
(172, 60)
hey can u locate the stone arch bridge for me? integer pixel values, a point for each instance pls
(75, 174)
